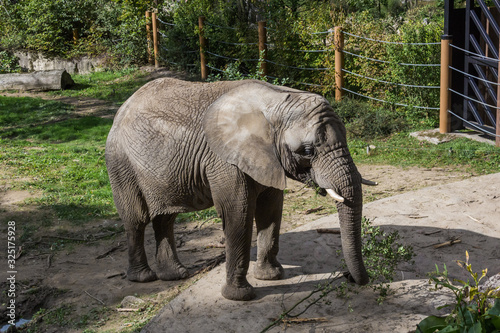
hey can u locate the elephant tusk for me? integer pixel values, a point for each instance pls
(368, 182)
(334, 195)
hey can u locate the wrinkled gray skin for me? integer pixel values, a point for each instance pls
(179, 146)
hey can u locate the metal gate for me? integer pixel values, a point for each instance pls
(481, 54)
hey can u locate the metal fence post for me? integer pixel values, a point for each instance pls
(497, 132)
(445, 96)
(263, 48)
(203, 44)
(149, 36)
(155, 38)
(339, 62)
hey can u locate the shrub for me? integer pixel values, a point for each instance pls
(8, 63)
(363, 120)
(74, 28)
(472, 311)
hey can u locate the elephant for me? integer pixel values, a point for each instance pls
(178, 146)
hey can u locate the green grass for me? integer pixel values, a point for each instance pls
(62, 159)
(114, 86)
(404, 151)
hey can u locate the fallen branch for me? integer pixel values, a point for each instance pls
(448, 243)
(113, 249)
(285, 316)
(328, 231)
(87, 238)
(19, 252)
(128, 310)
(49, 258)
(303, 320)
(314, 210)
(97, 299)
(210, 264)
(122, 275)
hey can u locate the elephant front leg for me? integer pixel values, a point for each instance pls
(169, 266)
(238, 233)
(268, 220)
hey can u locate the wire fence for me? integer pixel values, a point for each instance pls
(310, 63)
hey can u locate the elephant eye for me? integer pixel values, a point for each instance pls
(308, 151)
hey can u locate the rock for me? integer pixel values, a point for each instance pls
(132, 302)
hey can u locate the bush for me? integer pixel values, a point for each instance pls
(364, 121)
(75, 28)
(8, 63)
(475, 310)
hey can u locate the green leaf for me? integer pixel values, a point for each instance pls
(495, 321)
(450, 329)
(431, 324)
(476, 328)
(495, 310)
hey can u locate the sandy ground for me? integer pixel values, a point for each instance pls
(468, 211)
(56, 271)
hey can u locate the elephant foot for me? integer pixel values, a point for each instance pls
(170, 273)
(238, 293)
(143, 275)
(268, 271)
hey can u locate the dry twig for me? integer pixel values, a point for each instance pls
(97, 299)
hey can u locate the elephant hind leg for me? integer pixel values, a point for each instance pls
(138, 269)
(133, 210)
(169, 266)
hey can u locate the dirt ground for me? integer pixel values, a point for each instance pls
(84, 272)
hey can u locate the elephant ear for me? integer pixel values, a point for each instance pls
(239, 133)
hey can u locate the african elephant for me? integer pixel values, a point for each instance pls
(179, 146)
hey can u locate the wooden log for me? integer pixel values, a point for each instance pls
(56, 79)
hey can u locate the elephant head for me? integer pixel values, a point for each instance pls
(271, 133)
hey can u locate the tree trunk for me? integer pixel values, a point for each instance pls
(42, 80)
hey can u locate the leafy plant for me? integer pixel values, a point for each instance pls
(382, 253)
(8, 63)
(472, 312)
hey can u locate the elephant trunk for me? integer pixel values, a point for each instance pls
(350, 214)
(347, 186)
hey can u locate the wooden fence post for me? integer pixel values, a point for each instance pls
(149, 36)
(203, 44)
(263, 48)
(339, 62)
(445, 96)
(155, 38)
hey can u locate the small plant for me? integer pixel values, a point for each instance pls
(382, 253)
(472, 311)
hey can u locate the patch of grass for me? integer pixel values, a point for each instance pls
(402, 150)
(63, 159)
(25, 112)
(201, 216)
(114, 86)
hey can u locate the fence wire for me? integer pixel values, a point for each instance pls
(384, 101)
(391, 83)
(473, 125)
(474, 54)
(388, 42)
(390, 62)
(473, 76)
